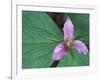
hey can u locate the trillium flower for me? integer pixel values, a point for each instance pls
(62, 48)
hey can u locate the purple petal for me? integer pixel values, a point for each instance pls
(80, 47)
(59, 51)
(68, 29)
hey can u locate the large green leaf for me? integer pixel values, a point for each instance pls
(73, 58)
(40, 35)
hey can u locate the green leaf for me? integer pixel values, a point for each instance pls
(74, 58)
(40, 35)
(81, 26)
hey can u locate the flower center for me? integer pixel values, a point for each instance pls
(68, 43)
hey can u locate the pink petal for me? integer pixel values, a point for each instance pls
(80, 47)
(59, 51)
(68, 29)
